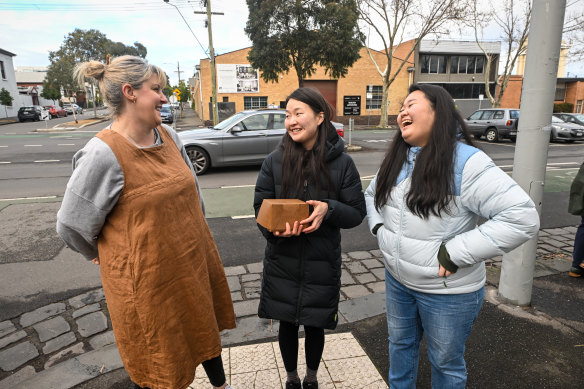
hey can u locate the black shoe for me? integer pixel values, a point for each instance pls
(293, 385)
(310, 385)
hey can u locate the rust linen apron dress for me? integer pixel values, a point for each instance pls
(163, 279)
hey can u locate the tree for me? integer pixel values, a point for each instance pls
(80, 46)
(50, 92)
(574, 30)
(185, 92)
(392, 20)
(513, 18)
(301, 34)
(6, 99)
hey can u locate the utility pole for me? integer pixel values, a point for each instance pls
(212, 54)
(537, 98)
(178, 71)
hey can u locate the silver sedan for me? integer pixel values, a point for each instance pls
(245, 138)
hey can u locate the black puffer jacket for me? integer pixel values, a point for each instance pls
(302, 275)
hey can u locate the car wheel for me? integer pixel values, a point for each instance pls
(200, 159)
(492, 135)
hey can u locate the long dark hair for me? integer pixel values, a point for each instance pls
(299, 165)
(432, 183)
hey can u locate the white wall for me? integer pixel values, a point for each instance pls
(10, 85)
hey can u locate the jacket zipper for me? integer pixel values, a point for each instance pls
(299, 304)
(401, 219)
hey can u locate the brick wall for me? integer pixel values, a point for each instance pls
(361, 74)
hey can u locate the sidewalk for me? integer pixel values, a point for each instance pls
(70, 342)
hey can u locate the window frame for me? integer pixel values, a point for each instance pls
(255, 102)
(376, 97)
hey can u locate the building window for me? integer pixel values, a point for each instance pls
(433, 64)
(466, 64)
(2, 70)
(255, 102)
(225, 99)
(467, 91)
(560, 92)
(374, 97)
(579, 106)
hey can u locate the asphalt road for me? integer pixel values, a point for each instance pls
(35, 269)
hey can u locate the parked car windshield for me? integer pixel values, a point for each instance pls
(229, 121)
(579, 116)
(556, 119)
(165, 108)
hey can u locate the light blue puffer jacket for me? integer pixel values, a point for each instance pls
(410, 244)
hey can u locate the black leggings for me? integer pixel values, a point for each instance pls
(288, 340)
(214, 369)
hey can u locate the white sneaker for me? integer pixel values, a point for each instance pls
(229, 387)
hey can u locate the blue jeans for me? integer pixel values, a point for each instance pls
(445, 318)
(578, 254)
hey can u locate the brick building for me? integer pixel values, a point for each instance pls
(243, 86)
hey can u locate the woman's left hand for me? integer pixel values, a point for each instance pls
(443, 272)
(320, 208)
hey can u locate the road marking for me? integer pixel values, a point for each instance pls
(368, 177)
(237, 186)
(376, 140)
(5, 162)
(3, 146)
(30, 198)
(47, 160)
(32, 145)
(66, 144)
(242, 217)
(10, 133)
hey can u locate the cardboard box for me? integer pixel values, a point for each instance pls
(274, 213)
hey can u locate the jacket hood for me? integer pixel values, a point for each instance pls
(334, 144)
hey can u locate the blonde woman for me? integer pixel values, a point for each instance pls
(133, 206)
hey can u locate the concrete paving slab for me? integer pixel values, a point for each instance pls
(363, 307)
(76, 370)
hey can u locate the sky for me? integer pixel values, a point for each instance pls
(32, 28)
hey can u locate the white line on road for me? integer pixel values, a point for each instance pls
(66, 144)
(10, 133)
(242, 217)
(32, 145)
(5, 162)
(3, 146)
(237, 186)
(47, 160)
(30, 198)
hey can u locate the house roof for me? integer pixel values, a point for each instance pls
(458, 47)
(30, 77)
(2, 51)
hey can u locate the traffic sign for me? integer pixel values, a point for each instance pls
(177, 92)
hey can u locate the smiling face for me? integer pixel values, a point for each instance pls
(302, 123)
(416, 119)
(148, 102)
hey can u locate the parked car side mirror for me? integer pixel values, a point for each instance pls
(235, 129)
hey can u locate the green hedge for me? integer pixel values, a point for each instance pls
(564, 107)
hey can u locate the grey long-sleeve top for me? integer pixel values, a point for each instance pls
(93, 190)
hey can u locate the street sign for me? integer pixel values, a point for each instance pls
(177, 92)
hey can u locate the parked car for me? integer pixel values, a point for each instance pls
(55, 111)
(494, 124)
(33, 112)
(576, 118)
(166, 114)
(245, 138)
(568, 132)
(69, 108)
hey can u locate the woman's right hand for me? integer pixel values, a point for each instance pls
(95, 260)
(295, 231)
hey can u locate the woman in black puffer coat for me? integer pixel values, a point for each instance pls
(302, 265)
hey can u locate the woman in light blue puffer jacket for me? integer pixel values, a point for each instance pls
(423, 205)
